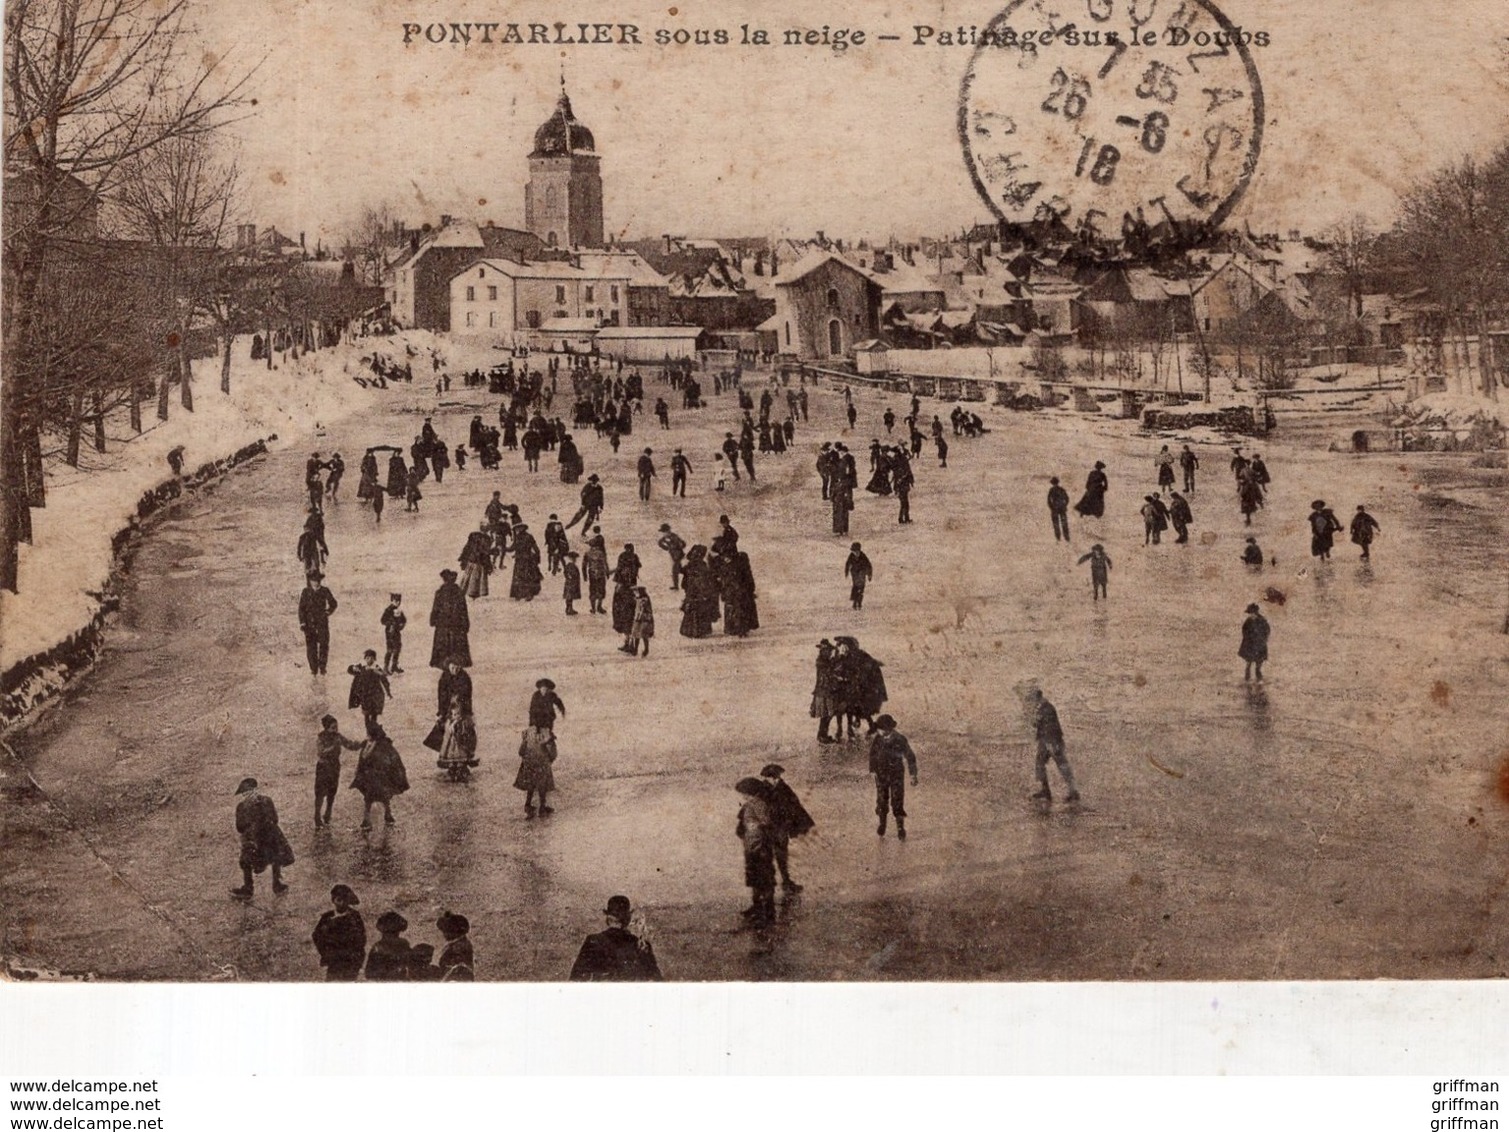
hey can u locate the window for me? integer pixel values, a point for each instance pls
(788, 334)
(560, 293)
(532, 319)
(471, 294)
(589, 293)
(492, 318)
(613, 292)
(481, 273)
(832, 298)
(492, 294)
(550, 238)
(471, 319)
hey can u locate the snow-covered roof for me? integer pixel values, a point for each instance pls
(619, 333)
(810, 263)
(570, 325)
(618, 265)
(904, 279)
(549, 270)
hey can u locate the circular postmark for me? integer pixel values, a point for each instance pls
(1106, 114)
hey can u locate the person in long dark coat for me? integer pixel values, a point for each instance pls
(569, 459)
(476, 561)
(1364, 529)
(1254, 646)
(398, 476)
(262, 842)
(755, 830)
(1180, 515)
(380, 775)
(537, 753)
(862, 680)
(527, 578)
(617, 954)
(451, 622)
(699, 605)
(625, 578)
(841, 493)
(789, 818)
(595, 566)
(826, 704)
(1093, 502)
(1323, 527)
(741, 615)
(367, 486)
(340, 937)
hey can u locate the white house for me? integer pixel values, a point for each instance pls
(503, 298)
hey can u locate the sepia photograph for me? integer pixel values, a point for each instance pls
(998, 492)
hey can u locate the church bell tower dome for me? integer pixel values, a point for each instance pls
(561, 134)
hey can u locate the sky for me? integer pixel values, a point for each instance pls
(1362, 97)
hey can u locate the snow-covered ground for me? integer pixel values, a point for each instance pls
(64, 570)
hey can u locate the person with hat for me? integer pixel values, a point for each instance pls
(311, 548)
(391, 956)
(1154, 519)
(556, 543)
(625, 578)
(380, 775)
(788, 819)
(646, 469)
(571, 588)
(1179, 515)
(544, 705)
(1364, 529)
(902, 481)
(1323, 528)
(755, 829)
(891, 761)
(451, 622)
(476, 561)
(731, 453)
(262, 842)
(1252, 553)
(312, 482)
(457, 962)
(825, 466)
(393, 621)
(1097, 483)
(327, 766)
(1050, 745)
(826, 703)
(537, 754)
(675, 546)
(595, 566)
(858, 570)
(592, 503)
(316, 604)
(1164, 463)
(616, 955)
(527, 577)
(1254, 647)
(455, 684)
(369, 687)
(1058, 510)
(341, 937)
(681, 467)
(1188, 461)
(663, 414)
(1100, 571)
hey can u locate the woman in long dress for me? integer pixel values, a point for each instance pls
(380, 774)
(398, 476)
(368, 485)
(536, 778)
(451, 622)
(1093, 502)
(476, 562)
(699, 605)
(526, 566)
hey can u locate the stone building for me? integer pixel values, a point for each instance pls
(823, 307)
(563, 201)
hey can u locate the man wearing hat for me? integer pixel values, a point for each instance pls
(391, 956)
(680, 468)
(262, 841)
(826, 702)
(616, 954)
(1058, 510)
(858, 570)
(1254, 647)
(788, 819)
(316, 604)
(1323, 527)
(341, 937)
(1364, 528)
(891, 761)
(592, 503)
(646, 468)
(674, 545)
(544, 704)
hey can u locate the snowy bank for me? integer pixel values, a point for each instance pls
(51, 630)
(1452, 421)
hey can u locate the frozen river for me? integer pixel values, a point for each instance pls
(1339, 821)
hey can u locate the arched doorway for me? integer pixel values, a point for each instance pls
(835, 337)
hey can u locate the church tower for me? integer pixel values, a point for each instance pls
(563, 201)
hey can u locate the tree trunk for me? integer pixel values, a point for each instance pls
(185, 370)
(75, 428)
(99, 421)
(31, 456)
(225, 362)
(135, 399)
(162, 391)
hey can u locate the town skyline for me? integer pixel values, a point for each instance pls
(679, 158)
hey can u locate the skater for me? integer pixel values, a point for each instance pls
(316, 604)
(1252, 553)
(537, 751)
(826, 702)
(393, 622)
(455, 683)
(311, 548)
(902, 480)
(369, 687)
(646, 469)
(1165, 464)
(595, 566)
(1180, 515)
(544, 704)
(458, 742)
(1154, 520)
(675, 546)
(412, 494)
(380, 775)
(391, 957)
(1093, 502)
(340, 937)
(556, 544)
(1058, 510)
(592, 503)
(527, 578)
(754, 830)
(625, 578)
(616, 955)
(643, 625)
(451, 622)
(1100, 571)
(891, 761)
(1050, 745)
(1249, 495)
(788, 819)
(327, 766)
(476, 562)
(680, 468)
(1254, 647)
(1188, 461)
(262, 842)
(1364, 529)
(942, 445)
(1323, 527)
(841, 492)
(571, 588)
(857, 568)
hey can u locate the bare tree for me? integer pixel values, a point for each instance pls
(1348, 255)
(370, 242)
(91, 84)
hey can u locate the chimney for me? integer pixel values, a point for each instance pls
(666, 236)
(445, 219)
(398, 228)
(821, 239)
(302, 248)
